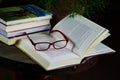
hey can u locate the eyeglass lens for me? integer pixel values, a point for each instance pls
(59, 44)
(56, 45)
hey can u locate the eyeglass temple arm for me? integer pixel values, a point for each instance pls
(66, 38)
(24, 33)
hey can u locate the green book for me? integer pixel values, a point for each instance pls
(15, 13)
(21, 14)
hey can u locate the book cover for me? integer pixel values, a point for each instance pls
(15, 13)
(9, 14)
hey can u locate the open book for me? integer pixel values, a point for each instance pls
(84, 37)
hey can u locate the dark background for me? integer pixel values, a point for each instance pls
(108, 66)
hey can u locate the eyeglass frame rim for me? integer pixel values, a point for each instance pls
(34, 44)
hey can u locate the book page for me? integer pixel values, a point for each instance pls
(80, 30)
(51, 58)
(52, 55)
(100, 49)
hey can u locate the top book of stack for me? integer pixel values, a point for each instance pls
(22, 14)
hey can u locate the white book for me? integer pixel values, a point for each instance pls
(83, 36)
(21, 26)
(13, 40)
(28, 30)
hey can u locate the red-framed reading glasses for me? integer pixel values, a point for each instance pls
(43, 46)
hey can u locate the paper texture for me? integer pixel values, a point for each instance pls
(81, 31)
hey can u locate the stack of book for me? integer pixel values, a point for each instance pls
(26, 18)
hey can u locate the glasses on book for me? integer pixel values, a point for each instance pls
(43, 46)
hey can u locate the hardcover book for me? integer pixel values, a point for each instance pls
(22, 14)
(68, 43)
